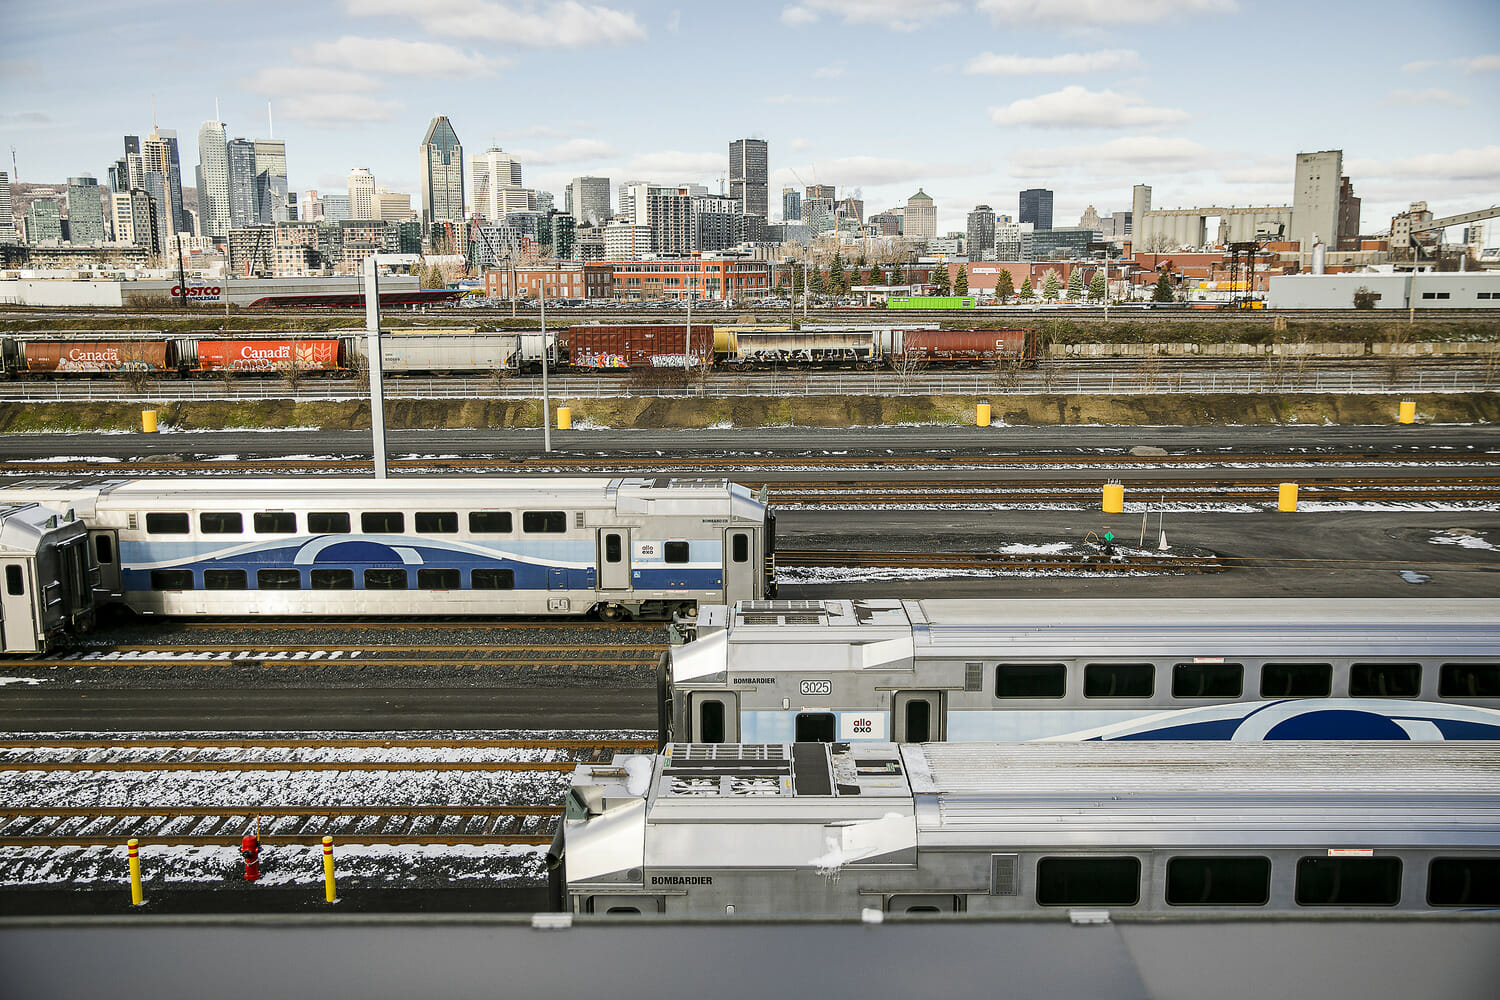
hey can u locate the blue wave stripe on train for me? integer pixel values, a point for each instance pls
(1312, 719)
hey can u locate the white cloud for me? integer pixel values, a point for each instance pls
(393, 55)
(802, 99)
(1465, 64)
(673, 166)
(571, 151)
(1481, 164)
(897, 15)
(1128, 156)
(564, 25)
(290, 81)
(1432, 96)
(1083, 13)
(829, 72)
(1075, 107)
(1070, 62)
(338, 110)
(317, 95)
(872, 171)
(25, 119)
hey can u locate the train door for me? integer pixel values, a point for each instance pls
(17, 615)
(739, 565)
(614, 558)
(715, 717)
(917, 716)
(107, 556)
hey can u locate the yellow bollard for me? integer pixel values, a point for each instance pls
(328, 892)
(1408, 412)
(982, 415)
(1286, 498)
(1114, 498)
(564, 418)
(148, 421)
(135, 872)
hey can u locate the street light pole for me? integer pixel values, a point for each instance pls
(546, 363)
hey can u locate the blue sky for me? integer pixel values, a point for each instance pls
(1206, 100)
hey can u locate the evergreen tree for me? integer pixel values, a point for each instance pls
(961, 281)
(836, 275)
(939, 279)
(877, 277)
(1096, 287)
(815, 281)
(1051, 286)
(796, 280)
(1163, 292)
(1026, 290)
(1005, 287)
(1075, 284)
(897, 278)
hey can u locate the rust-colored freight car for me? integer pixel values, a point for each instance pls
(967, 346)
(98, 357)
(269, 356)
(597, 346)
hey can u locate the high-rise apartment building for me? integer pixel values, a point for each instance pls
(1036, 208)
(159, 156)
(493, 169)
(980, 243)
(919, 222)
(361, 194)
(392, 206)
(213, 181)
(749, 175)
(270, 181)
(119, 171)
(791, 205)
(335, 208)
(243, 202)
(7, 220)
(588, 200)
(43, 222)
(85, 211)
(442, 174)
(821, 191)
(135, 219)
(668, 211)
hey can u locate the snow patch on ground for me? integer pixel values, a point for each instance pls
(21, 680)
(1412, 576)
(1464, 539)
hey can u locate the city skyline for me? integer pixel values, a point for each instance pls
(972, 102)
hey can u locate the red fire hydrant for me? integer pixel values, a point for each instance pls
(250, 851)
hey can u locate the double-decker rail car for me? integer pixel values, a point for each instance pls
(462, 546)
(1110, 669)
(47, 594)
(1032, 828)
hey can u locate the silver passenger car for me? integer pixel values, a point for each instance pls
(1028, 828)
(47, 591)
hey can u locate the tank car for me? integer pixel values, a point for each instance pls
(450, 546)
(1026, 669)
(1026, 829)
(48, 593)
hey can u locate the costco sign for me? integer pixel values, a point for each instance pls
(197, 293)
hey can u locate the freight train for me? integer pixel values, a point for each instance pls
(583, 348)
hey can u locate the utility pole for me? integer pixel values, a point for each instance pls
(546, 363)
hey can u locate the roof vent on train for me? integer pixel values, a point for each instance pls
(790, 612)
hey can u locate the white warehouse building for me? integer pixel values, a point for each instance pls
(1393, 290)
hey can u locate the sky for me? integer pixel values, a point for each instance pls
(1208, 101)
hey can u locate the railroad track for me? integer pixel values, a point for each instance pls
(140, 770)
(1081, 564)
(127, 657)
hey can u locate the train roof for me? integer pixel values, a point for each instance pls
(24, 525)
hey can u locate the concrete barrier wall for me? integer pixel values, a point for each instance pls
(1311, 349)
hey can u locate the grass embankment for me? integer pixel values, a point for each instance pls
(751, 413)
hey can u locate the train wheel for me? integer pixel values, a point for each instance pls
(612, 613)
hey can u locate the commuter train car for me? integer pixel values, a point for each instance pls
(1030, 828)
(48, 592)
(970, 670)
(423, 546)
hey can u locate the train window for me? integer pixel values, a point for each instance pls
(439, 579)
(104, 549)
(274, 522)
(1218, 881)
(1463, 882)
(1207, 680)
(437, 523)
(1323, 881)
(15, 582)
(611, 548)
(1296, 680)
(385, 579)
(1119, 680)
(1031, 680)
(1088, 881)
(675, 552)
(739, 550)
(382, 522)
(225, 579)
(221, 522)
(328, 523)
(814, 727)
(164, 523)
(489, 522)
(331, 579)
(918, 721)
(544, 522)
(492, 579)
(172, 579)
(711, 722)
(1385, 680)
(1469, 680)
(278, 579)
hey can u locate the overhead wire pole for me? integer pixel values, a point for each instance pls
(372, 331)
(546, 363)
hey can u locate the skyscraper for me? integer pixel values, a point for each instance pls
(159, 156)
(919, 222)
(589, 198)
(85, 211)
(442, 174)
(135, 219)
(749, 175)
(243, 201)
(493, 169)
(1036, 208)
(980, 244)
(43, 222)
(791, 205)
(361, 194)
(213, 181)
(270, 181)
(7, 220)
